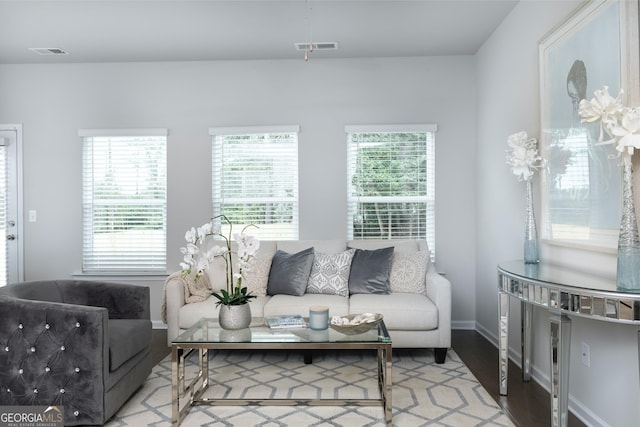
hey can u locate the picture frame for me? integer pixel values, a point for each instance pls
(581, 184)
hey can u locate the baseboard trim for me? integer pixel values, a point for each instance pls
(576, 407)
(158, 324)
(466, 325)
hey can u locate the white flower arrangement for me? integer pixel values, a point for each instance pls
(522, 155)
(197, 257)
(619, 122)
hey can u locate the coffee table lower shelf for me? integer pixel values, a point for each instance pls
(184, 395)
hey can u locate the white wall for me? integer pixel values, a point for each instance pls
(322, 96)
(507, 101)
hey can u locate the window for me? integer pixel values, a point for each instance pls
(255, 179)
(124, 200)
(391, 191)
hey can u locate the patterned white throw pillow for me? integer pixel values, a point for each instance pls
(330, 273)
(408, 272)
(256, 278)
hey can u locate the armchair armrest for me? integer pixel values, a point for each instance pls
(439, 291)
(53, 354)
(123, 301)
(173, 299)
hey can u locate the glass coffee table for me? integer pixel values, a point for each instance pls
(207, 335)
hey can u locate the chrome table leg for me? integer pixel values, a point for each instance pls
(560, 351)
(503, 340)
(527, 317)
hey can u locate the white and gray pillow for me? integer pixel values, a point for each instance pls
(330, 273)
(408, 272)
(257, 276)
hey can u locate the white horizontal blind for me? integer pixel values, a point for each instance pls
(391, 188)
(255, 179)
(124, 201)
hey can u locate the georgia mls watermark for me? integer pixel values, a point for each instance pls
(31, 416)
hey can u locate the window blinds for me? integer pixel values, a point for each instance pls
(124, 200)
(391, 189)
(255, 179)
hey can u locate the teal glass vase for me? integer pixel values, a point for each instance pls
(628, 269)
(531, 255)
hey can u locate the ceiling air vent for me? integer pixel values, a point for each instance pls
(48, 51)
(317, 46)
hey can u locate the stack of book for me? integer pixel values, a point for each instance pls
(286, 322)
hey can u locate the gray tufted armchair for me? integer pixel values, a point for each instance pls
(82, 345)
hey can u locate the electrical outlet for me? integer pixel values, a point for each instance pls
(33, 215)
(586, 355)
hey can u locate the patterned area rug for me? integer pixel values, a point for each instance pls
(424, 393)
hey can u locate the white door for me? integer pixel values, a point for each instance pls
(11, 263)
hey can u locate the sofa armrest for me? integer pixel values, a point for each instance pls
(54, 354)
(439, 291)
(173, 300)
(123, 301)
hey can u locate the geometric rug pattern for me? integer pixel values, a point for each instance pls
(424, 393)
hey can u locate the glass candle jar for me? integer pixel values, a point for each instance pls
(319, 317)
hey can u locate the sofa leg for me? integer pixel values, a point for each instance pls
(441, 355)
(307, 356)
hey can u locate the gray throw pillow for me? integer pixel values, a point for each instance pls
(289, 273)
(370, 271)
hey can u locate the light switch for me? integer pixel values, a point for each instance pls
(33, 216)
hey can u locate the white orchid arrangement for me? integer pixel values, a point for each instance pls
(522, 155)
(197, 257)
(619, 122)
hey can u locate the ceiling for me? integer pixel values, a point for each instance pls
(186, 30)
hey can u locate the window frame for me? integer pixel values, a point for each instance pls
(218, 199)
(353, 199)
(93, 263)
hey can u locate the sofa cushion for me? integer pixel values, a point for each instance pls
(288, 304)
(401, 311)
(409, 272)
(370, 271)
(330, 273)
(289, 273)
(127, 337)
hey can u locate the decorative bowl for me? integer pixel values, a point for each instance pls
(359, 328)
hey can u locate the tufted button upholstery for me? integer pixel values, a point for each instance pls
(57, 353)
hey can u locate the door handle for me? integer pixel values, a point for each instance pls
(11, 237)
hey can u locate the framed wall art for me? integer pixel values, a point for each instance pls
(581, 183)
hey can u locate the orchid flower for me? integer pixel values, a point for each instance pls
(190, 235)
(203, 232)
(197, 258)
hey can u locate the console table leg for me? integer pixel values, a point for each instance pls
(560, 350)
(503, 340)
(527, 316)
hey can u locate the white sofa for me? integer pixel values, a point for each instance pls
(414, 320)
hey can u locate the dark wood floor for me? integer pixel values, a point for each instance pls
(527, 404)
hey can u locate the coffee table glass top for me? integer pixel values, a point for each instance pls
(209, 331)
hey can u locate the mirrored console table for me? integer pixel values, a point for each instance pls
(565, 293)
